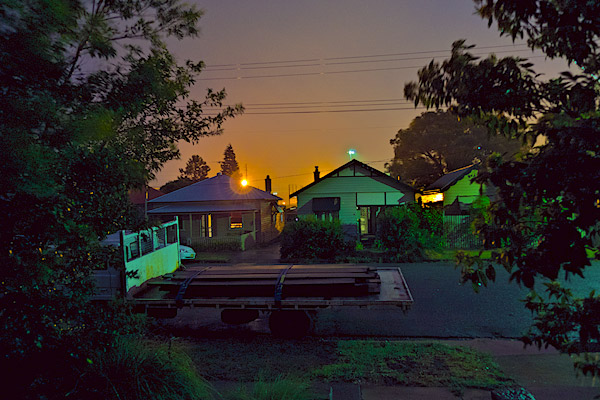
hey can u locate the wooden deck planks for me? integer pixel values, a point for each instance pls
(392, 291)
(301, 281)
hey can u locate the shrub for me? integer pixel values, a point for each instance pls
(406, 231)
(141, 369)
(311, 239)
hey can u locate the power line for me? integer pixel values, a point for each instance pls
(327, 111)
(275, 107)
(312, 60)
(323, 63)
(328, 102)
(317, 73)
(305, 73)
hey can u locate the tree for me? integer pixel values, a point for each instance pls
(75, 139)
(177, 184)
(438, 142)
(195, 170)
(548, 214)
(229, 165)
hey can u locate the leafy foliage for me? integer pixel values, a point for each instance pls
(177, 184)
(229, 165)
(195, 169)
(137, 369)
(405, 232)
(313, 239)
(548, 212)
(436, 143)
(85, 117)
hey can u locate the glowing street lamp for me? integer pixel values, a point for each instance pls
(244, 182)
(351, 153)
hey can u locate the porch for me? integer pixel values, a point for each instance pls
(217, 227)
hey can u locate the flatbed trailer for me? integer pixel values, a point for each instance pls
(289, 293)
(156, 283)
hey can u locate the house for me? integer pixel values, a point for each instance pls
(220, 210)
(140, 197)
(455, 191)
(354, 194)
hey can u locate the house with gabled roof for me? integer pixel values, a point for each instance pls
(355, 194)
(220, 210)
(456, 191)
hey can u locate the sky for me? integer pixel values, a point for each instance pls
(320, 77)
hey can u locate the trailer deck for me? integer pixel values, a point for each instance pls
(275, 288)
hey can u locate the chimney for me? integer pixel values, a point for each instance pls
(268, 184)
(317, 174)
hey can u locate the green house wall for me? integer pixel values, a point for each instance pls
(464, 189)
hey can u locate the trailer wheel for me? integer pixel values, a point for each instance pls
(289, 324)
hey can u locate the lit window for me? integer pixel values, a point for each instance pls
(432, 198)
(235, 221)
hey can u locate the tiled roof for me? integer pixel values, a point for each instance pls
(218, 188)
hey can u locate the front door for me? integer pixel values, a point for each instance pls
(368, 220)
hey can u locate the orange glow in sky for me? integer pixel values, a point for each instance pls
(320, 77)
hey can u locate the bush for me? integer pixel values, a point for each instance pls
(313, 239)
(406, 231)
(141, 369)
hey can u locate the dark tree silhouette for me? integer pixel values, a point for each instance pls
(438, 142)
(547, 218)
(195, 169)
(177, 184)
(87, 114)
(229, 165)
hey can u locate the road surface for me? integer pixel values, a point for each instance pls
(442, 309)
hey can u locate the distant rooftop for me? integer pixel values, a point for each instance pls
(138, 196)
(449, 179)
(218, 188)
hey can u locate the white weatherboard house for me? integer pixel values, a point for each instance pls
(354, 194)
(220, 210)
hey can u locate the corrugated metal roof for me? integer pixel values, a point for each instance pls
(218, 188)
(204, 208)
(451, 178)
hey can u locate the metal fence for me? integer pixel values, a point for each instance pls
(458, 233)
(216, 243)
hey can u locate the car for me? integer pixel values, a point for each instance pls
(186, 253)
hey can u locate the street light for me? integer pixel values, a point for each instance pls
(351, 152)
(244, 182)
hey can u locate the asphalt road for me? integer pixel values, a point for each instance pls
(443, 309)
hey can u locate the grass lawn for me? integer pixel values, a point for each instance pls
(315, 360)
(449, 254)
(409, 363)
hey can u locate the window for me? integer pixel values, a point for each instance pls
(327, 215)
(235, 221)
(326, 208)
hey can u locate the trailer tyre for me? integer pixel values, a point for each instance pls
(289, 324)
